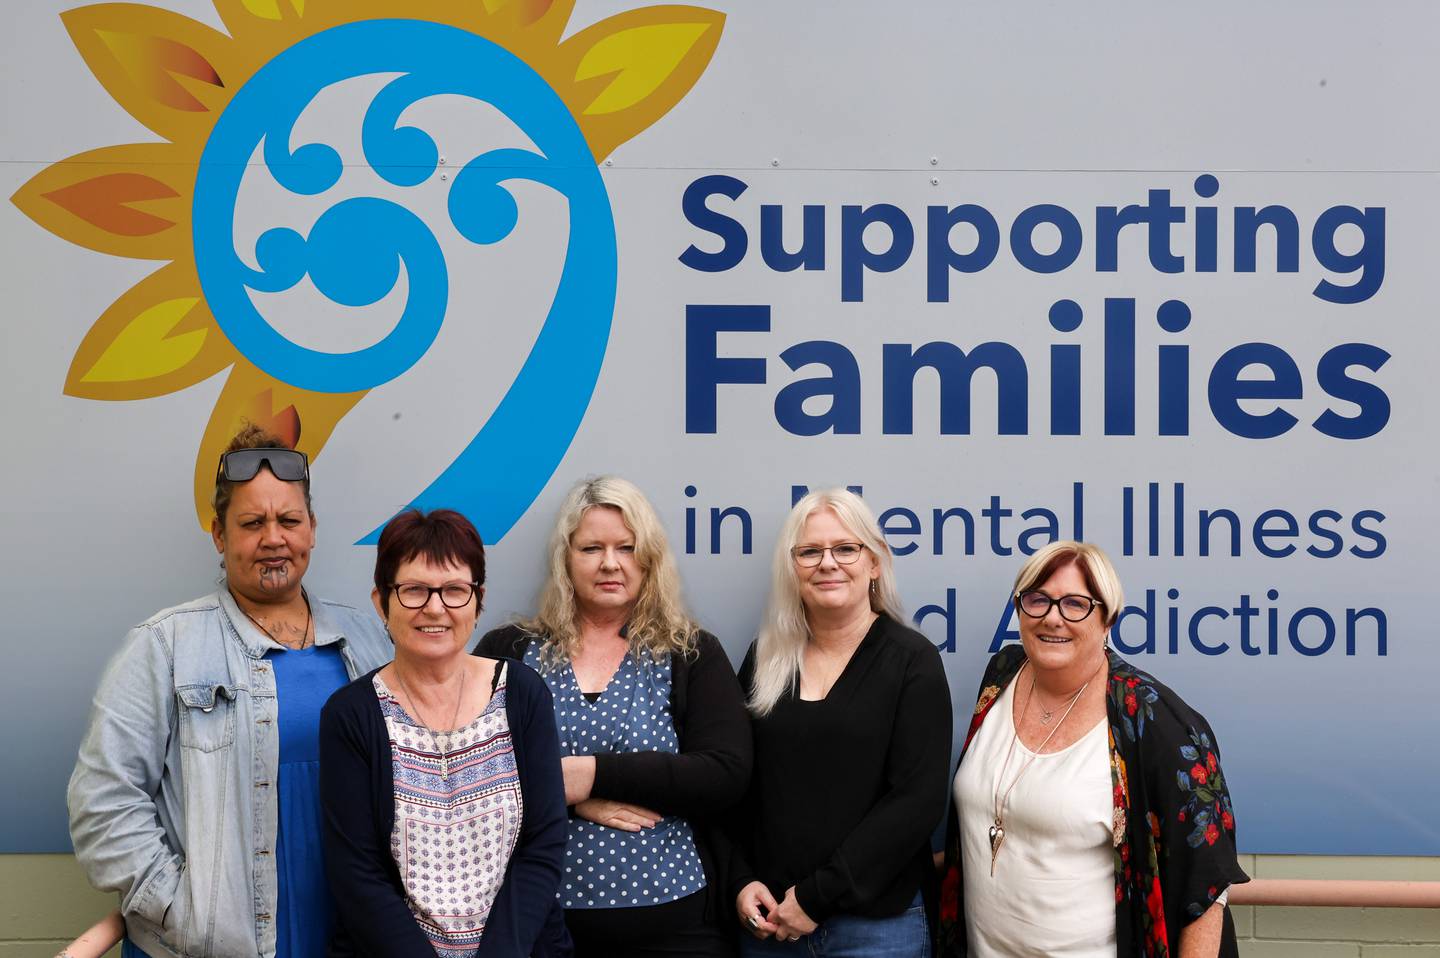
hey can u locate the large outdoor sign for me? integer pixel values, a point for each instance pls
(1015, 274)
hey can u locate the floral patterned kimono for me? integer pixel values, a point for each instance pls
(1174, 831)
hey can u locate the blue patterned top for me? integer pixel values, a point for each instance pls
(607, 867)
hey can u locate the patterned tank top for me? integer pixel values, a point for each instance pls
(453, 836)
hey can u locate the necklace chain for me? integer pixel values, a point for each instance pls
(1002, 800)
(1045, 714)
(304, 638)
(434, 738)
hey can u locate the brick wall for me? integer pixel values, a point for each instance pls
(44, 902)
(1271, 932)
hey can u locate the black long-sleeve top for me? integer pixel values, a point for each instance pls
(847, 790)
(358, 798)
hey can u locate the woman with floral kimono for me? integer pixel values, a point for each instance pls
(1091, 815)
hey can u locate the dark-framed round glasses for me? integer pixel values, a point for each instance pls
(843, 553)
(1073, 608)
(416, 595)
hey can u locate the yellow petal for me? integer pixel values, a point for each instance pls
(637, 61)
(631, 69)
(157, 338)
(145, 349)
(273, 9)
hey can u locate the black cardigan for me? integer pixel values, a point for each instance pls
(848, 789)
(358, 801)
(712, 769)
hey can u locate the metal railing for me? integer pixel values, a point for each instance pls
(1329, 893)
(1337, 893)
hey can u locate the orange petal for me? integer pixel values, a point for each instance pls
(531, 29)
(525, 11)
(302, 418)
(170, 72)
(157, 338)
(122, 200)
(631, 69)
(102, 202)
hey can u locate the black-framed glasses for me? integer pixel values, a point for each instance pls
(241, 465)
(416, 595)
(843, 553)
(1073, 608)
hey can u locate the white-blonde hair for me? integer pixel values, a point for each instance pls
(780, 646)
(659, 623)
(1095, 568)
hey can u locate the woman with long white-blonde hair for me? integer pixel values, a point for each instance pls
(653, 729)
(850, 710)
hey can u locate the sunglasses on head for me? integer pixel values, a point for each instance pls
(242, 464)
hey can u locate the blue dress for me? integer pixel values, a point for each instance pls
(304, 914)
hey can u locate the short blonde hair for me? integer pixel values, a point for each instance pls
(780, 646)
(659, 623)
(1094, 565)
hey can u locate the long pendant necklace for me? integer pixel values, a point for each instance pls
(435, 739)
(1045, 714)
(997, 830)
(304, 636)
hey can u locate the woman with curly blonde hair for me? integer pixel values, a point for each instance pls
(653, 729)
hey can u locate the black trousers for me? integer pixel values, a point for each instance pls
(677, 929)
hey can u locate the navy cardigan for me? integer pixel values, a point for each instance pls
(358, 805)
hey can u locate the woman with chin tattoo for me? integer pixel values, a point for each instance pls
(195, 796)
(1091, 816)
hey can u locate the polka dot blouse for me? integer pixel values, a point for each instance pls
(607, 867)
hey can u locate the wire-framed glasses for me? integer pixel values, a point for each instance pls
(842, 552)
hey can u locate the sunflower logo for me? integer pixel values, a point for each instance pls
(229, 103)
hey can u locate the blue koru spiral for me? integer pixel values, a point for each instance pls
(355, 248)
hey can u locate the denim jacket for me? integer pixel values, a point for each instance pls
(172, 803)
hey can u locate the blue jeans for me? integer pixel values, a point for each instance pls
(907, 935)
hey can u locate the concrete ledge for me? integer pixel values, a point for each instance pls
(1361, 925)
(1298, 949)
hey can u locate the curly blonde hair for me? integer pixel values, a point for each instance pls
(659, 623)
